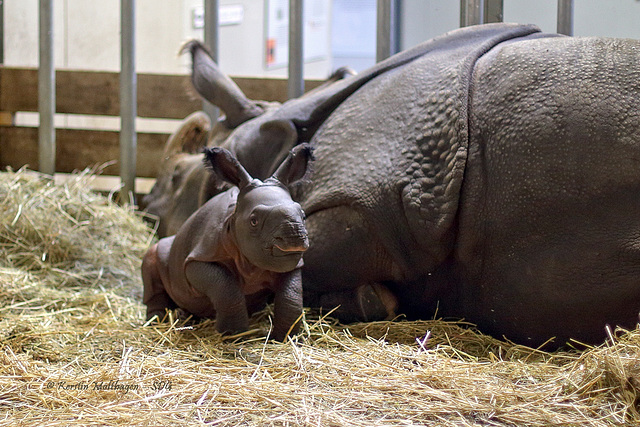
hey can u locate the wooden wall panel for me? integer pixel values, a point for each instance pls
(97, 93)
(77, 149)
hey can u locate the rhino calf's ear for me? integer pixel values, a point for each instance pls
(296, 165)
(226, 166)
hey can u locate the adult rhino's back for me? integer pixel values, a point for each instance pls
(549, 225)
(395, 150)
(501, 179)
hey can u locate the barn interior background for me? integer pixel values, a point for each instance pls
(251, 43)
(74, 346)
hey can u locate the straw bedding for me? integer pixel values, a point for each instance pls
(76, 351)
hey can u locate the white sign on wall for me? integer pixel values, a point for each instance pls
(232, 14)
(315, 27)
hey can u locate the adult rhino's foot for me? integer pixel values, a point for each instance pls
(366, 303)
(376, 302)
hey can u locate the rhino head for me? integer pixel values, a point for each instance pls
(259, 134)
(267, 225)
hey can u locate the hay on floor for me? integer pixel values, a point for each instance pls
(76, 351)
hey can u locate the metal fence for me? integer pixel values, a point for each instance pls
(472, 12)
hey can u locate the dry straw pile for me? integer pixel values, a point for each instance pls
(75, 350)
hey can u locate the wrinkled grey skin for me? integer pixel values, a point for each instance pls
(242, 242)
(182, 183)
(495, 176)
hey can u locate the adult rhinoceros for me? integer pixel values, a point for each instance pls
(493, 172)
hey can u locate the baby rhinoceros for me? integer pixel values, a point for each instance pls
(244, 241)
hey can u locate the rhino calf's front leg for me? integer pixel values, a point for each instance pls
(222, 288)
(155, 295)
(287, 306)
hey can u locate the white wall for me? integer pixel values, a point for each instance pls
(610, 18)
(353, 33)
(87, 32)
(87, 36)
(242, 47)
(607, 18)
(425, 19)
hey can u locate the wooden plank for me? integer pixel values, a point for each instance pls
(97, 93)
(77, 149)
(269, 89)
(6, 119)
(166, 96)
(108, 183)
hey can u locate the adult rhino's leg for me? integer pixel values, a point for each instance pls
(366, 303)
(345, 267)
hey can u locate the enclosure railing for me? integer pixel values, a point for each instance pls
(471, 12)
(96, 93)
(46, 91)
(128, 96)
(211, 21)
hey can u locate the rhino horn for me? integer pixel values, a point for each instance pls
(217, 88)
(191, 136)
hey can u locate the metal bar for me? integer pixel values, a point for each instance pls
(493, 11)
(295, 83)
(46, 91)
(387, 29)
(211, 40)
(471, 12)
(565, 17)
(1, 32)
(128, 99)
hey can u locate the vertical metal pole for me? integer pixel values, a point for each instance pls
(387, 31)
(565, 17)
(471, 12)
(46, 91)
(1, 32)
(493, 11)
(295, 84)
(211, 21)
(128, 98)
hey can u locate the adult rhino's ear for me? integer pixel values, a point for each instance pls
(277, 138)
(191, 137)
(296, 165)
(226, 166)
(217, 88)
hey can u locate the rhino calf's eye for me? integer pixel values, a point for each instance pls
(253, 220)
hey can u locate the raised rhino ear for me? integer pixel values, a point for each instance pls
(217, 88)
(296, 165)
(226, 166)
(191, 137)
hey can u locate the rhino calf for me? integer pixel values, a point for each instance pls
(244, 241)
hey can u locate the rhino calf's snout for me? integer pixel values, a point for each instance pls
(291, 235)
(292, 245)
